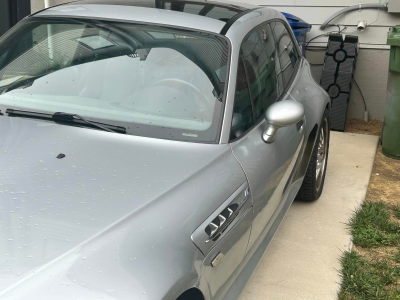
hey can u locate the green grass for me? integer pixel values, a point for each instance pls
(396, 211)
(367, 277)
(371, 226)
(369, 280)
(396, 257)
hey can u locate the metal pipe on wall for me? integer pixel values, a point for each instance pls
(352, 8)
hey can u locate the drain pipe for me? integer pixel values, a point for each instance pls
(355, 7)
(49, 33)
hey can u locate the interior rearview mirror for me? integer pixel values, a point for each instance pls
(281, 114)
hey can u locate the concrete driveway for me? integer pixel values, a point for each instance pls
(302, 261)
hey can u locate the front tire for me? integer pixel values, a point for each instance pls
(314, 179)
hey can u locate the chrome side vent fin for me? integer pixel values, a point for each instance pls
(223, 218)
(211, 229)
(220, 223)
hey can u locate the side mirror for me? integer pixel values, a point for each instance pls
(281, 114)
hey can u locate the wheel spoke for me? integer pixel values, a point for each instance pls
(321, 153)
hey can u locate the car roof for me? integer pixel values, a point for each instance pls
(164, 4)
(213, 16)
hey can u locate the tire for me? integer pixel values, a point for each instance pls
(314, 179)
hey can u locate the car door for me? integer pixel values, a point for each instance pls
(270, 59)
(224, 255)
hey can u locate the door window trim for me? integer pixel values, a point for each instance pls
(248, 85)
(285, 89)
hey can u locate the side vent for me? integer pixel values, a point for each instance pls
(220, 223)
(223, 219)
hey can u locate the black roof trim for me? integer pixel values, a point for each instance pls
(159, 3)
(228, 24)
(232, 11)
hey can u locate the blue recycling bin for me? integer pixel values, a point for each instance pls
(300, 29)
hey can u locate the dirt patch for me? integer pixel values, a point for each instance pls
(373, 127)
(384, 183)
(378, 253)
(385, 177)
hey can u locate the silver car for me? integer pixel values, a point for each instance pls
(150, 150)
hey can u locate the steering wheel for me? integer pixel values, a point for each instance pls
(201, 100)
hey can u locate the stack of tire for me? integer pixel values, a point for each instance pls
(337, 75)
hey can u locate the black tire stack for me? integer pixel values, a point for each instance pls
(337, 75)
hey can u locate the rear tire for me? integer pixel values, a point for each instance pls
(314, 179)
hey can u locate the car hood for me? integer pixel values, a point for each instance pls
(51, 206)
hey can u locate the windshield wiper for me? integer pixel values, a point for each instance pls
(69, 118)
(65, 118)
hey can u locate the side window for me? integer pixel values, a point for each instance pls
(2, 59)
(285, 48)
(260, 61)
(269, 59)
(242, 118)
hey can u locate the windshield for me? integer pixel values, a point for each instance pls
(155, 81)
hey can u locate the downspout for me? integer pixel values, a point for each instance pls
(355, 7)
(49, 33)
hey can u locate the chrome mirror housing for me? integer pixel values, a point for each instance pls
(281, 114)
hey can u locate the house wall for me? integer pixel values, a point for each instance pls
(37, 5)
(372, 64)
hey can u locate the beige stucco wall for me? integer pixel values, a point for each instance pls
(37, 5)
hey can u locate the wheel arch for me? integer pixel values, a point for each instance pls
(328, 106)
(307, 152)
(191, 294)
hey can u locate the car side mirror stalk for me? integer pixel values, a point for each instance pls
(281, 114)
